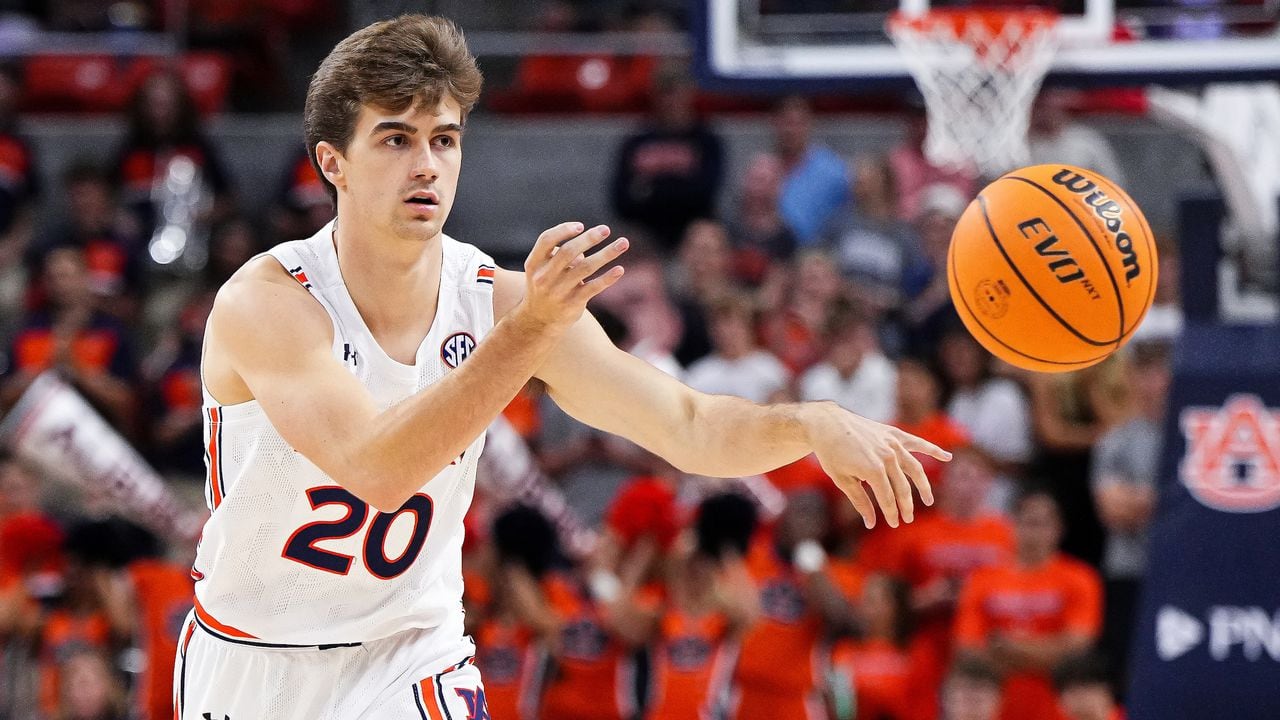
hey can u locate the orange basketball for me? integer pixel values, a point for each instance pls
(1052, 267)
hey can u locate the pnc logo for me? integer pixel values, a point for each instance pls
(1109, 212)
(1232, 461)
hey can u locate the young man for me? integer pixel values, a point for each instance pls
(348, 381)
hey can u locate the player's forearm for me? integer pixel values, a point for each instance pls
(730, 437)
(409, 443)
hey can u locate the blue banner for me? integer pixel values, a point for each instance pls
(1208, 635)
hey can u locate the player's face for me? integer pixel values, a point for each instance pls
(400, 170)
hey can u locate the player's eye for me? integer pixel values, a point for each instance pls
(395, 140)
(446, 141)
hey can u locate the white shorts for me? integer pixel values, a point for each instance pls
(407, 676)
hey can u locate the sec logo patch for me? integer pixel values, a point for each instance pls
(456, 348)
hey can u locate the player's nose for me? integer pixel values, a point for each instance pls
(425, 165)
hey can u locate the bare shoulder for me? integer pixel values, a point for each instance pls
(262, 295)
(262, 322)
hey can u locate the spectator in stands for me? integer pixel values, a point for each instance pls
(920, 412)
(173, 395)
(302, 206)
(801, 606)
(515, 623)
(30, 540)
(855, 374)
(737, 366)
(914, 174)
(1053, 137)
(95, 223)
(1027, 616)
(1070, 412)
(710, 603)
(759, 236)
(1084, 690)
(702, 275)
(872, 245)
(928, 310)
(163, 126)
(92, 612)
(937, 554)
(1125, 462)
(605, 616)
(89, 350)
(994, 411)
(793, 330)
(653, 324)
(91, 690)
(669, 173)
(817, 181)
(971, 691)
(1164, 320)
(878, 667)
(19, 190)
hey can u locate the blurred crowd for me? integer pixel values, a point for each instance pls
(801, 275)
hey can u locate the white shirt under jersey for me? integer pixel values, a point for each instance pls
(290, 557)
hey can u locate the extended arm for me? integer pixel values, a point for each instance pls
(385, 457)
(722, 436)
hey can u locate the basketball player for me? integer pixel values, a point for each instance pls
(349, 378)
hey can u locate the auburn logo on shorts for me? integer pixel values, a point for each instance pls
(1232, 461)
(456, 348)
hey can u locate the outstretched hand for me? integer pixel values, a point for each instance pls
(558, 282)
(857, 452)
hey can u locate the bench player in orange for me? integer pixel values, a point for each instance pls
(348, 379)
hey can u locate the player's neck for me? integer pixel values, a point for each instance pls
(393, 281)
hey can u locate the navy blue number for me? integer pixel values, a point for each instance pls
(375, 556)
(301, 545)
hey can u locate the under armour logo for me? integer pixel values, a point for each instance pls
(350, 353)
(209, 716)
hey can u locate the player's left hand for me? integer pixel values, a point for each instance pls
(855, 451)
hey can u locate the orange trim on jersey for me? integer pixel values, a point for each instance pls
(427, 689)
(209, 620)
(215, 470)
(186, 637)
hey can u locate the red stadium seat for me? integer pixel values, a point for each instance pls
(74, 83)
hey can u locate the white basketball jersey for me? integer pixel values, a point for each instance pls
(290, 557)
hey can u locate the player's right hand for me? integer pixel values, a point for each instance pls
(558, 274)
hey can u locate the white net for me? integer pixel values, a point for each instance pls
(979, 72)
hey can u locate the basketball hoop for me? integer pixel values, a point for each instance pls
(979, 71)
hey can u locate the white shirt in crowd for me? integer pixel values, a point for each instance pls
(871, 391)
(998, 418)
(755, 376)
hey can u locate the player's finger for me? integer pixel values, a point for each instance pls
(883, 491)
(920, 445)
(572, 252)
(914, 470)
(901, 489)
(595, 286)
(586, 267)
(548, 240)
(861, 502)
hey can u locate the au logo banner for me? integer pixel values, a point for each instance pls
(1232, 461)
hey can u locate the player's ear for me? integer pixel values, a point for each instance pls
(330, 160)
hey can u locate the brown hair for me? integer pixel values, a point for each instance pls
(392, 64)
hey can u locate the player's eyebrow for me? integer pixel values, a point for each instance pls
(447, 127)
(394, 125)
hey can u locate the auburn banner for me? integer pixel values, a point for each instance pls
(54, 429)
(1208, 636)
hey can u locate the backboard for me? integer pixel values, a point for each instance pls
(840, 45)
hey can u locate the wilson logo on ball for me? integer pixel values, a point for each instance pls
(1109, 212)
(1232, 461)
